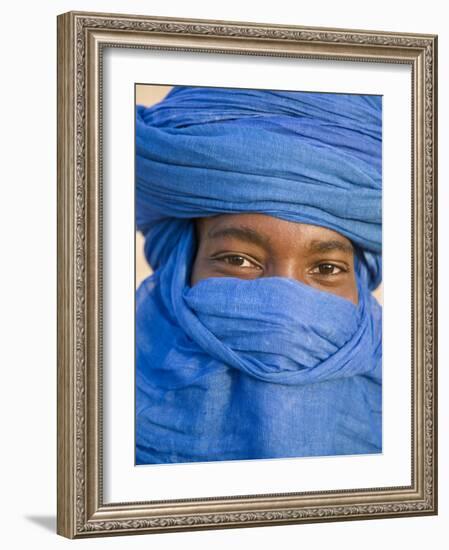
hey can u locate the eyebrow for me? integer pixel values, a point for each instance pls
(329, 245)
(242, 233)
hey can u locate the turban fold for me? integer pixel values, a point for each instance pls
(228, 368)
(305, 157)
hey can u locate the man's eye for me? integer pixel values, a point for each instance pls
(327, 269)
(238, 261)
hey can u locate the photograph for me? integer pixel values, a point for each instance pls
(223, 321)
(246, 249)
(258, 274)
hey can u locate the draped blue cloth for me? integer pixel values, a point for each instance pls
(237, 369)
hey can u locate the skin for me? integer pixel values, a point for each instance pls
(250, 246)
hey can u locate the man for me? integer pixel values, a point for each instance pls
(257, 335)
(250, 246)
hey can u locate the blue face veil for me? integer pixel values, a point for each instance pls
(236, 369)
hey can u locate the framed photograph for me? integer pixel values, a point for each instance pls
(247, 275)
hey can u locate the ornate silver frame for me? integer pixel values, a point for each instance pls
(81, 39)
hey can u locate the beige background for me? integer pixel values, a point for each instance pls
(147, 94)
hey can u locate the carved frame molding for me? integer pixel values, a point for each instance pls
(81, 40)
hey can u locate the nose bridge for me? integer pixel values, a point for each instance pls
(288, 267)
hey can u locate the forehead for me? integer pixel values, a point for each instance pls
(273, 232)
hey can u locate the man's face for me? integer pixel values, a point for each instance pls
(250, 246)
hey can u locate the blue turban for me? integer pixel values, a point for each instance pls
(237, 369)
